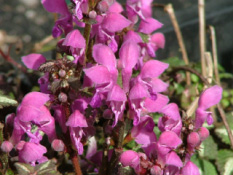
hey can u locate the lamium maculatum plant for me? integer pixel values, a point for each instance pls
(101, 92)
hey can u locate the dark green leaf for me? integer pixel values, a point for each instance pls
(224, 162)
(145, 37)
(209, 148)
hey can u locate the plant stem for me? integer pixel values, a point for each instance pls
(169, 9)
(87, 32)
(76, 165)
(189, 69)
(214, 52)
(202, 40)
(8, 58)
(223, 116)
(113, 167)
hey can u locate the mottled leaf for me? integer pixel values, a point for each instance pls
(224, 162)
(6, 101)
(24, 169)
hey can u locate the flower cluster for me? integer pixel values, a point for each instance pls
(106, 75)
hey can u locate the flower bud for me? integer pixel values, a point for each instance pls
(92, 14)
(62, 73)
(193, 139)
(103, 6)
(203, 133)
(155, 170)
(6, 146)
(62, 97)
(58, 145)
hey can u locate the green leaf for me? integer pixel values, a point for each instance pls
(46, 168)
(145, 37)
(224, 162)
(9, 172)
(6, 101)
(221, 131)
(225, 93)
(174, 61)
(209, 148)
(209, 168)
(223, 135)
(194, 78)
(226, 75)
(205, 166)
(24, 169)
(225, 103)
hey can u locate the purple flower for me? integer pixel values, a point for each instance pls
(104, 74)
(141, 8)
(208, 98)
(36, 152)
(64, 23)
(117, 98)
(171, 121)
(76, 123)
(77, 45)
(106, 27)
(190, 169)
(33, 61)
(149, 25)
(129, 55)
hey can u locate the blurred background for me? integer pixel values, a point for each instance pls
(26, 20)
(25, 23)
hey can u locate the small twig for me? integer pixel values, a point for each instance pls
(201, 11)
(214, 52)
(169, 9)
(38, 46)
(189, 69)
(223, 116)
(8, 58)
(209, 67)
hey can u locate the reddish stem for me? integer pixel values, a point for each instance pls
(76, 165)
(8, 58)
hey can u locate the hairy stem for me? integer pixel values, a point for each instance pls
(113, 167)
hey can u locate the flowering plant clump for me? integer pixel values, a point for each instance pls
(106, 80)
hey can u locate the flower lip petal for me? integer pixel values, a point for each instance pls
(77, 119)
(98, 74)
(78, 42)
(104, 55)
(114, 22)
(210, 97)
(58, 6)
(149, 25)
(33, 61)
(153, 68)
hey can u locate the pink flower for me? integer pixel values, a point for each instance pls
(33, 61)
(190, 169)
(208, 98)
(36, 152)
(76, 123)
